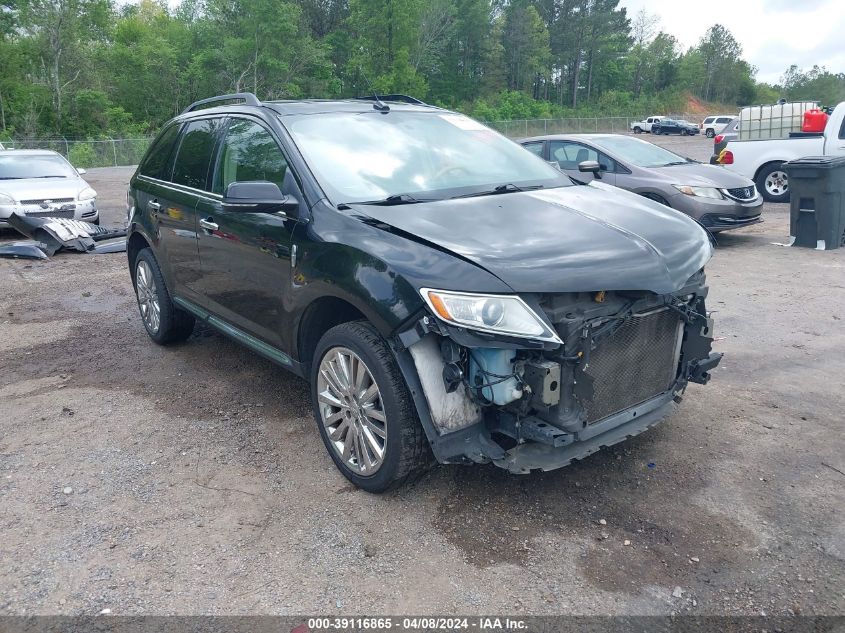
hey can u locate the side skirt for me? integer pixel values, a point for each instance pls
(256, 345)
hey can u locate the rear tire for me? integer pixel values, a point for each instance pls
(773, 183)
(164, 322)
(638, 130)
(364, 411)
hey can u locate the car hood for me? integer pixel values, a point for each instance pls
(43, 188)
(700, 175)
(569, 239)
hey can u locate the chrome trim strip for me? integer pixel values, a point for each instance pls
(183, 188)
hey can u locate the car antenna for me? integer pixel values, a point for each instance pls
(378, 104)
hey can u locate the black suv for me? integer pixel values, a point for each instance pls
(444, 291)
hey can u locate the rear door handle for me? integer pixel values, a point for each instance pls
(154, 207)
(208, 225)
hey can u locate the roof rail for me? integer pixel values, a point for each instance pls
(395, 98)
(242, 97)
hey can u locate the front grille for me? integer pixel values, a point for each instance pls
(742, 193)
(638, 361)
(47, 200)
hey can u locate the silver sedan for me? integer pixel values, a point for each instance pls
(717, 198)
(43, 183)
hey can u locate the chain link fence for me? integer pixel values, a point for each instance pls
(86, 154)
(521, 128)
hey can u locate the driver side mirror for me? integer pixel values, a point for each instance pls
(591, 166)
(81, 171)
(258, 196)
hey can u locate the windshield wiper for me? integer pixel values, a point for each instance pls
(506, 188)
(51, 176)
(391, 201)
(10, 178)
(679, 162)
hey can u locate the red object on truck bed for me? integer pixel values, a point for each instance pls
(814, 121)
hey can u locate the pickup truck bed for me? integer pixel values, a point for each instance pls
(762, 160)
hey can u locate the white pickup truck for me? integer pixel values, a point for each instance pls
(638, 127)
(762, 161)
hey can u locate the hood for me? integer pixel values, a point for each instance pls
(700, 175)
(570, 239)
(43, 188)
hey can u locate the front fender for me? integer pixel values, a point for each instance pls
(374, 269)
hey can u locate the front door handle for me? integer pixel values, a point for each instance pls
(154, 207)
(208, 225)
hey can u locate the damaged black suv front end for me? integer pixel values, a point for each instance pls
(607, 366)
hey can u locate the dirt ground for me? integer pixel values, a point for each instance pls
(191, 479)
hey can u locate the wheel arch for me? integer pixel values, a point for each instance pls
(134, 245)
(765, 165)
(321, 315)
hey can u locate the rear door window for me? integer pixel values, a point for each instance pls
(158, 156)
(195, 151)
(723, 120)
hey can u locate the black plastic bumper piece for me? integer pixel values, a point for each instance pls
(700, 369)
(524, 458)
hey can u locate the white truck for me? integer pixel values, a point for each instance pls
(762, 161)
(638, 127)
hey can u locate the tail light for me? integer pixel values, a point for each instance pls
(726, 157)
(718, 139)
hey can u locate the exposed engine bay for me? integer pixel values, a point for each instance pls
(622, 361)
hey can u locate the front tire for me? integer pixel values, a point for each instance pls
(364, 411)
(710, 133)
(773, 183)
(164, 322)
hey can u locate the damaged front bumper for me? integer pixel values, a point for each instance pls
(523, 405)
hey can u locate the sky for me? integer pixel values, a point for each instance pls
(773, 33)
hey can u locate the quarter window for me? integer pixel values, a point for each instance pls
(249, 153)
(195, 152)
(158, 155)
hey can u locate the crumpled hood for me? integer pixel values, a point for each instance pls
(570, 239)
(700, 175)
(43, 188)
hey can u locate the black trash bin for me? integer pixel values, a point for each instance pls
(817, 208)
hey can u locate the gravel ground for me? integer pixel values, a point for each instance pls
(191, 479)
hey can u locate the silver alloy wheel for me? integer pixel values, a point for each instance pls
(145, 286)
(777, 183)
(352, 411)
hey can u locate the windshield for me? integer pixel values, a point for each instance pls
(367, 156)
(17, 167)
(640, 153)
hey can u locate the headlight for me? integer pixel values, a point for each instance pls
(700, 192)
(87, 194)
(504, 314)
(5, 198)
